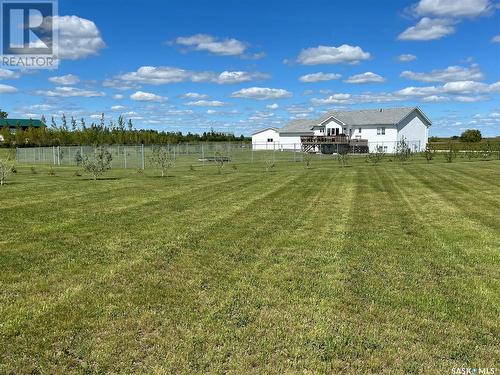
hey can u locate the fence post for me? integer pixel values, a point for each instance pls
(58, 155)
(142, 161)
(54, 154)
(203, 154)
(125, 156)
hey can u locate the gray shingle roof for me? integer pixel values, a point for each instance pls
(384, 116)
(299, 126)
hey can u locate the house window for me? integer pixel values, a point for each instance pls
(380, 131)
(269, 140)
(359, 130)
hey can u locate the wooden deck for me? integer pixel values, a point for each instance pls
(332, 144)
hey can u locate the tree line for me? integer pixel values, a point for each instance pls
(71, 131)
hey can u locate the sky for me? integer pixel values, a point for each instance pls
(242, 65)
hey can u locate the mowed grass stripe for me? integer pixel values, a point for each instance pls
(133, 261)
(467, 293)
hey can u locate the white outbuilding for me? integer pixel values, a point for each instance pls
(266, 139)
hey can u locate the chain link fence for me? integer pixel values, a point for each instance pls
(201, 154)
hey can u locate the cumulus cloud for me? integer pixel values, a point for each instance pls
(162, 75)
(193, 95)
(451, 73)
(261, 93)
(332, 55)
(428, 29)
(8, 74)
(453, 8)
(272, 106)
(227, 77)
(407, 57)
(211, 44)
(206, 103)
(118, 96)
(142, 96)
(495, 39)
(462, 91)
(6, 89)
(367, 77)
(117, 108)
(67, 91)
(78, 37)
(68, 79)
(318, 77)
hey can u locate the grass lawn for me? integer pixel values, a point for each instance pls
(362, 269)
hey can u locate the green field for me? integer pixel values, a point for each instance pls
(364, 269)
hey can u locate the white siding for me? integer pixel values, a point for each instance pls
(415, 130)
(375, 140)
(260, 141)
(290, 141)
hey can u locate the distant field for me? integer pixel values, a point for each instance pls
(364, 269)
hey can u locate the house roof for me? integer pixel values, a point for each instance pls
(383, 116)
(22, 122)
(298, 126)
(263, 130)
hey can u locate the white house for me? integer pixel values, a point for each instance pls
(380, 129)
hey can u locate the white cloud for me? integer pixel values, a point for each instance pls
(332, 55)
(367, 77)
(206, 103)
(8, 74)
(211, 111)
(6, 89)
(68, 79)
(238, 77)
(435, 99)
(193, 95)
(453, 8)
(428, 29)
(118, 96)
(164, 75)
(451, 73)
(333, 99)
(272, 106)
(261, 93)
(142, 96)
(461, 91)
(67, 91)
(204, 42)
(117, 108)
(78, 37)
(495, 39)
(407, 57)
(318, 77)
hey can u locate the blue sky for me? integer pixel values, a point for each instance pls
(239, 66)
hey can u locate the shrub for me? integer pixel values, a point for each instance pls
(343, 157)
(451, 153)
(98, 163)
(33, 170)
(220, 160)
(403, 151)
(429, 153)
(51, 172)
(162, 159)
(307, 157)
(376, 156)
(5, 171)
(270, 164)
